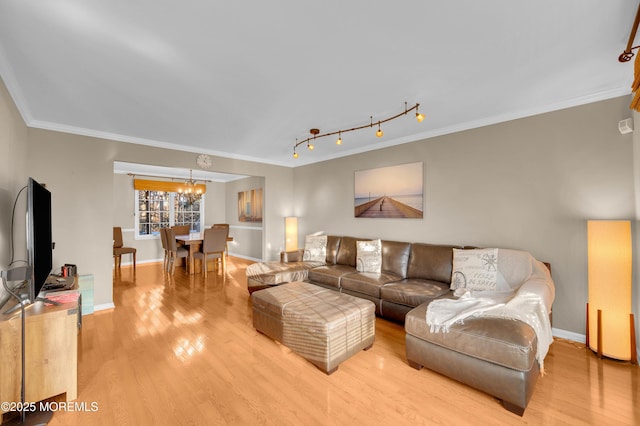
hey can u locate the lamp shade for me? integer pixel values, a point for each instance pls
(609, 258)
(291, 233)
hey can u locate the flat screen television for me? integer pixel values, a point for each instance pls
(39, 239)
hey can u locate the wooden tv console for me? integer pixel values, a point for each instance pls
(51, 352)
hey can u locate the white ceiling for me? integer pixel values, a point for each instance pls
(245, 79)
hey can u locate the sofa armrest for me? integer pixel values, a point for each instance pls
(291, 256)
(541, 287)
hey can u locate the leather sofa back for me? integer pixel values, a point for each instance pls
(431, 262)
(333, 243)
(395, 257)
(346, 252)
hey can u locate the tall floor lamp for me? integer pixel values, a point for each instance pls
(291, 233)
(610, 323)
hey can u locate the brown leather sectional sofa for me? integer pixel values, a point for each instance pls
(412, 273)
(495, 355)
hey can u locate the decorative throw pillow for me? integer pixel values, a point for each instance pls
(475, 269)
(315, 248)
(369, 256)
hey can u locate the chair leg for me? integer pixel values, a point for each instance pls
(204, 266)
(134, 260)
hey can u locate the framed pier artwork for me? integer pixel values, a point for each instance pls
(250, 205)
(390, 192)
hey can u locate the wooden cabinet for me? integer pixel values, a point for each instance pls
(51, 352)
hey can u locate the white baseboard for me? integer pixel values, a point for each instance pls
(140, 262)
(569, 335)
(576, 337)
(245, 257)
(103, 306)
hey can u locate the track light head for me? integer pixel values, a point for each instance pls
(419, 116)
(379, 133)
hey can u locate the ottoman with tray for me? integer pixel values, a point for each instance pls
(321, 325)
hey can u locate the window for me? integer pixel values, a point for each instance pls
(160, 209)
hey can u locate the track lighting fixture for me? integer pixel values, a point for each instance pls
(379, 133)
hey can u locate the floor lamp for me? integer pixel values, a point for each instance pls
(291, 233)
(610, 323)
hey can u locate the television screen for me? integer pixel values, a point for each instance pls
(39, 240)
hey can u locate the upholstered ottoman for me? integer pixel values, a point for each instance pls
(321, 325)
(269, 274)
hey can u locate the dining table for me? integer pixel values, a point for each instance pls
(192, 242)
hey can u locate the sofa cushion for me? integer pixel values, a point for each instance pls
(506, 342)
(347, 252)
(330, 275)
(395, 257)
(315, 248)
(431, 262)
(413, 291)
(367, 283)
(475, 269)
(369, 256)
(333, 243)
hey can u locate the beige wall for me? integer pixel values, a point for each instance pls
(527, 184)
(13, 176)
(248, 236)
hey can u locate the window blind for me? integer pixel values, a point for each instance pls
(159, 185)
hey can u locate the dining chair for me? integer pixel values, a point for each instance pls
(225, 226)
(181, 229)
(165, 248)
(119, 249)
(175, 251)
(213, 247)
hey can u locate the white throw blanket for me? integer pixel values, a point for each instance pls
(441, 314)
(528, 304)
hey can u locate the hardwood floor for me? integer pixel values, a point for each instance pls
(182, 350)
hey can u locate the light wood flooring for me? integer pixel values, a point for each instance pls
(181, 350)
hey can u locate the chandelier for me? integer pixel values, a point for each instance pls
(190, 189)
(379, 133)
